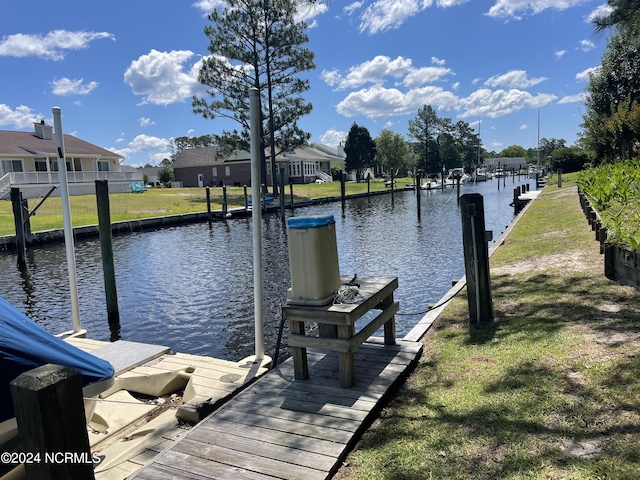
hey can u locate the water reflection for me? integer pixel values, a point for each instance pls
(190, 287)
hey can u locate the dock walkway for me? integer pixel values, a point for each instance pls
(282, 428)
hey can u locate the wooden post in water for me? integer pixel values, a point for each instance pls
(476, 259)
(106, 249)
(224, 201)
(246, 199)
(282, 194)
(18, 218)
(392, 182)
(418, 193)
(51, 422)
(368, 184)
(343, 191)
(208, 192)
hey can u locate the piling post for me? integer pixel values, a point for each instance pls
(106, 250)
(368, 184)
(246, 199)
(18, 217)
(392, 182)
(208, 193)
(559, 178)
(476, 259)
(342, 191)
(418, 206)
(224, 201)
(51, 422)
(282, 194)
(291, 194)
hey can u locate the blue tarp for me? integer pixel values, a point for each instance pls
(25, 345)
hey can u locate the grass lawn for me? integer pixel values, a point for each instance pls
(162, 201)
(550, 391)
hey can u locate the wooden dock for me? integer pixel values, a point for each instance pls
(282, 428)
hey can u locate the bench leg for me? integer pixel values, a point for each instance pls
(390, 325)
(345, 360)
(299, 354)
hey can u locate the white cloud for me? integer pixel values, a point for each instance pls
(66, 86)
(377, 101)
(51, 46)
(437, 61)
(420, 76)
(161, 77)
(208, 6)
(331, 77)
(583, 76)
(20, 118)
(524, 126)
(559, 54)
(383, 15)
(455, 86)
(492, 104)
(572, 98)
(352, 7)
(145, 122)
(516, 9)
(602, 11)
(155, 147)
(514, 79)
(333, 138)
(586, 45)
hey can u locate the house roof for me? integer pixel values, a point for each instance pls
(208, 156)
(21, 144)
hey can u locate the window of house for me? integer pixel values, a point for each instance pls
(227, 171)
(11, 166)
(214, 171)
(103, 166)
(309, 168)
(41, 165)
(294, 168)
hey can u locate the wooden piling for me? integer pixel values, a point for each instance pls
(224, 201)
(51, 422)
(106, 250)
(343, 191)
(476, 259)
(208, 192)
(418, 206)
(291, 194)
(281, 198)
(18, 218)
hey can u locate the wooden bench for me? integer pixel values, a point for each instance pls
(337, 325)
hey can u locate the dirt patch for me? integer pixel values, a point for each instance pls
(578, 262)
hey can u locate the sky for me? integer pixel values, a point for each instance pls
(124, 72)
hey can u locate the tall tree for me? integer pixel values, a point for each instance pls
(424, 129)
(391, 150)
(258, 44)
(360, 150)
(614, 92)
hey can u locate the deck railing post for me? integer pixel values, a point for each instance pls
(51, 422)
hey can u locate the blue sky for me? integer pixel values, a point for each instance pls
(123, 73)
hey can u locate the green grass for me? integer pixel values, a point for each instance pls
(162, 201)
(550, 391)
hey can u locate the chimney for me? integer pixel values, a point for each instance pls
(43, 131)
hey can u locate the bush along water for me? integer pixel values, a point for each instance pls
(614, 191)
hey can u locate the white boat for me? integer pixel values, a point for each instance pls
(481, 175)
(457, 175)
(431, 185)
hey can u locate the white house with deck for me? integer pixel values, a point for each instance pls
(29, 161)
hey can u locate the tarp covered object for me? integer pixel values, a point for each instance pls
(25, 345)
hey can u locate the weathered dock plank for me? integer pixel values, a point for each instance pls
(282, 428)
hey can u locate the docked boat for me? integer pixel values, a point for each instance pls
(481, 175)
(457, 175)
(431, 185)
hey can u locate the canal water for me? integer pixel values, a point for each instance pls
(191, 287)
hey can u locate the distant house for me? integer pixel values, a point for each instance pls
(505, 163)
(212, 166)
(29, 161)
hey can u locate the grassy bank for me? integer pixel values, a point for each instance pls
(162, 201)
(551, 391)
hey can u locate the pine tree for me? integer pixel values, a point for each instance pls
(258, 44)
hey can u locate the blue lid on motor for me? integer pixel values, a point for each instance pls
(310, 222)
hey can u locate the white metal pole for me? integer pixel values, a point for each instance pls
(66, 215)
(256, 217)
